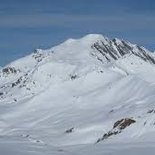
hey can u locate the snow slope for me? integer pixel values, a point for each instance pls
(84, 96)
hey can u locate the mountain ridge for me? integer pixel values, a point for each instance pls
(103, 48)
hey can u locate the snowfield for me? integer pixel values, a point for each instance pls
(88, 96)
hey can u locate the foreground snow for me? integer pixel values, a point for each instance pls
(15, 146)
(66, 99)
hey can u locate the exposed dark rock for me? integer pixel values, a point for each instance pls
(21, 81)
(145, 123)
(151, 111)
(17, 82)
(69, 130)
(123, 123)
(25, 136)
(107, 135)
(112, 50)
(118, 127)
(38, 141)
(111, 111)
(28, 89)
(38, 55)
(9, 70)
(15, 100)
(73, 77)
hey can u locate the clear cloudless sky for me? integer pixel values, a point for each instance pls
(29, 24)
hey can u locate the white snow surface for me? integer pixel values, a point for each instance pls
(74, 86)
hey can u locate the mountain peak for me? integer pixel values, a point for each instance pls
(88, 39)
(93, 37)
(90, 49)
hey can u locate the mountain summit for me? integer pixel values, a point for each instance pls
(87, 49)
(78, 96)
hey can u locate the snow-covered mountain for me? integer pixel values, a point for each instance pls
(84, 96)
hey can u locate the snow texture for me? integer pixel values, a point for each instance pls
(62, 100)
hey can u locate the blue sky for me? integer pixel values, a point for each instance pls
(29, 24)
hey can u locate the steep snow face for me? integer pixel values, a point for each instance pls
(83, 92)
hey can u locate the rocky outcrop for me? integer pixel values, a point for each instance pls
(69, 130)
(118, 127)
(123, 123)
(38, 55)
(9, 70)
(114, 49)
